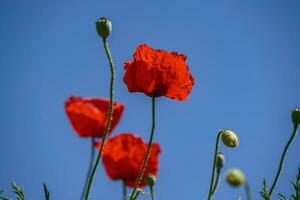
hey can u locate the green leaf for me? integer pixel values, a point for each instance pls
(3, 198)
(18, 191)
(296, 187)
(281, 197)
(46, 191)
(265, 193)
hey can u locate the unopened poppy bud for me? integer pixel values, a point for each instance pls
(235, 177)
(296, 116)
(220, 160)
(104, 27)
(230, 139)
(150, 180)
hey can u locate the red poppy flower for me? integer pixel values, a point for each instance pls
(158, 73)
(123, 157)
(88, 116)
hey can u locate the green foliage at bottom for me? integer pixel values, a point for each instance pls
(296, 186)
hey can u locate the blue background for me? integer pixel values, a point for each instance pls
(245, 57)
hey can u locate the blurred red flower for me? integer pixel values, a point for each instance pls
(158, 73)
(123, 157)
(88, 116)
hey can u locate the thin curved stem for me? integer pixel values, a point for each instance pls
(124, 190)
(214, 166)
(152, 193)
(248, 191)
(90, 167)
(216, 182)
(282, 158)
(139, 178)
(109, 118)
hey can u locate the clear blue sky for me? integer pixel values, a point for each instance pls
(245, 57)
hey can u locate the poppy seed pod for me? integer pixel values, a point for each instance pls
(230, 139)
(104, 27)
(220, 160)
(235, 177)
(296, 116)
(150, 180)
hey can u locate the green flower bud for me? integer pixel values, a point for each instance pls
(150, 180)
(235, 177)
(230, 139)
(220, 160)
(296, 116)
(104, 27)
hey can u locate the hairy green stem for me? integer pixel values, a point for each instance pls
(139, 178)
(90, 167)
(152, 193)
(216, 182)
(282, 158)
(109, 118)
(248, 191)
(214, 166)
